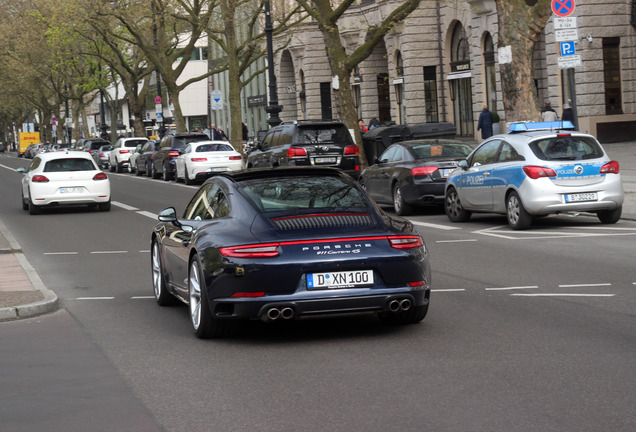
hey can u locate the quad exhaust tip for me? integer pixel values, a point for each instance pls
(275, 312)
(397, 305)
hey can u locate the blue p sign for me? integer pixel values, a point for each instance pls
(567, 48)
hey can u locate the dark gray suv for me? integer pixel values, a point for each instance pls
(307, 143)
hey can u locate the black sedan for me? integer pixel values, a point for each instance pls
(413, 173)
(286, 243)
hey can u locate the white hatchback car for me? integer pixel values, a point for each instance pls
(202, 159)
(535, 170)
(65, 178)
(122, 150)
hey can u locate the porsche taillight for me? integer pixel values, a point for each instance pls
(405, 242)
(199, 159)
(268, 250)
(173, 154)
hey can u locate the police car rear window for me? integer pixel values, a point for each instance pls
(566, 148)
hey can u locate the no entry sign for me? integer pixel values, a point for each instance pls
(562, 7)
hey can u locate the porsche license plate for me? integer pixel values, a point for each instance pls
(580, 197)
(335, 280)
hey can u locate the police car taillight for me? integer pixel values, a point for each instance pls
(610, 168)
(535, 172)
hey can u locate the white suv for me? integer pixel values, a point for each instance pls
(121, 152)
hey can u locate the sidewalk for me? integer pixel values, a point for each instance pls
(23, 295)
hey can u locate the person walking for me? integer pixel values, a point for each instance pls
(568, 114)
(548, 113)
(485, 123)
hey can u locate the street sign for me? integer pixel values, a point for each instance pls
(563, 7)
(158, 100)
(569, 62)
(566, 35)
(216, 100)
(159, 108)
(567, 48)
(561, 23)
(160, 117)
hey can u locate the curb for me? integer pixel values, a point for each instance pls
(50, 301)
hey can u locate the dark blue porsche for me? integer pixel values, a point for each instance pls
(286, 243)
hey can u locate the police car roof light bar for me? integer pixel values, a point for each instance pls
(519, 127)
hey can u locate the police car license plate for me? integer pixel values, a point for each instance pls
(324, 160)
(335, 280)
(579, 197)
(71, 190)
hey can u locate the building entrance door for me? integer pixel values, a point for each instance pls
(463, 106)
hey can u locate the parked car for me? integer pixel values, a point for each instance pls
(143, 163)
(121, 152)
(64, 179)
(32, 150)
(91, 145)
(132, 162)
(287, 243)
(102, 156)
(307, 143)
(163, 160)
(413, 173)
(202, 159)
(60, 147)
(535, 170)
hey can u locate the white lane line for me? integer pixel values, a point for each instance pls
(585, 285)
(124, 206)
(560, 295)
(144, 251)
(436, 226)
(456, 241)
(147, 214)
(448, 290)
(94, 298)
(142, 297)
(109, 252)
(512, 288)
(61, 253)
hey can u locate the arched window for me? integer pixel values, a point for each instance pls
(460, 50)
(489, 66)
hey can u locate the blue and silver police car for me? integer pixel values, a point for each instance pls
(536, 169)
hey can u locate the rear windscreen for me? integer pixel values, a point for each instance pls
(323, 134)
(134, 143)
(61, 165)
(567, 147)
(214, 147)
(298, 193)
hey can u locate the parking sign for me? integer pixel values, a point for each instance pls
(567, 48)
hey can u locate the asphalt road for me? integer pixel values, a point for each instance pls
(527, 331)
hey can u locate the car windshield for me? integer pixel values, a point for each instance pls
(323, 134)
(433, 151)
(214, 147)
(299, 193)
(566, 147)
(70, 164)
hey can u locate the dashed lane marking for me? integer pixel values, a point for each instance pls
(456, 241)
(147, 214)
(560, 295)
(512, 288)
(585, 285)
(124, 206)
(436, 226)
(109, 252)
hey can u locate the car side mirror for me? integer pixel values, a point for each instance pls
(21, 170)
(168, 215)
(463, 164)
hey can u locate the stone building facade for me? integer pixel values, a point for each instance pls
(442, 65)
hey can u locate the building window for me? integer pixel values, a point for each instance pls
(325, 101)
(612, 74)
(491, 80)
(430, 94)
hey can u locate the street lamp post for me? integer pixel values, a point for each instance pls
(272, 107)
(158, 106)
(102, 112)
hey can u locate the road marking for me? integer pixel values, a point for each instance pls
(109, 252)
(61, 253)
(560, 295)
(448, 290)
(512, 288)
(538, 235)
(142, 297)
(437, 226)
(585, 285)
(455, 241)
(147, 214)
(95, 298)
(144, 251)
(124, 206)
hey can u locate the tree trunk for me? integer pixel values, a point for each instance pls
(520, 27)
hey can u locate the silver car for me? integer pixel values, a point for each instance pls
(535, 170)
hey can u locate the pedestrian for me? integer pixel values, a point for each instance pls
(222, 134)
(548, 113)
(568, 114)
(362, 127)
(373, 123)
(214, 134)
(245, 131)
(485, 122)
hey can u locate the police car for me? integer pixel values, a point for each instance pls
(535, 170)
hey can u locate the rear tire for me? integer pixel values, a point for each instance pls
(610, 216)
(118, 167)
(104, 206)
(186, 178)
(166, 173)
(453, 207)
(518, 217)
(203, 322)
(399, 205)
(33, 209)
(153, 172)
(137, 173)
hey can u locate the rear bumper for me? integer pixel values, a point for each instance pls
(429, 193)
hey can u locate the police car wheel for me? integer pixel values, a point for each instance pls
(453, 207)
(610, 216)
(518, 217)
